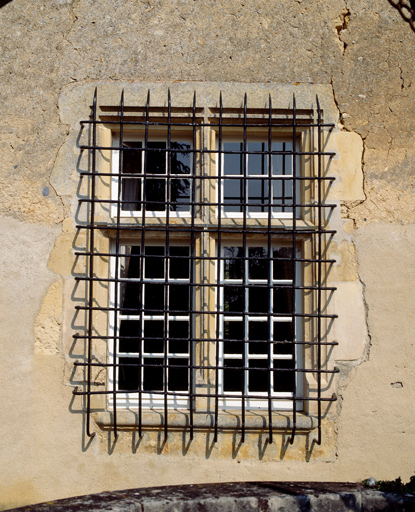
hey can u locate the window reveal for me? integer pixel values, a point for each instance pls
(254, 240)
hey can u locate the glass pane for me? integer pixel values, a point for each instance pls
(283, 300)
(154, 297)
(155, 195)
(179, 266)
(258, 331)
(129, 329)
(154, 336)
(128, 376)
(283, 268)
(234, 298)
(234, 332)
(233, 195)
(258, 377)
(283, 332)
(257, 164)
(153, 375)
(234, 263)
(232, 162)
(131, 188)
(258, 263)
(258, 299)
(180, 196)
(284, 380)
(180, 160)
(179, 297)
(232, 375)
(131, 194)
(154, 266)
(282, 189)
(257, 195)
(156, 160)
(130, 292)
(178, 377)
(178, 337)
(282, 163)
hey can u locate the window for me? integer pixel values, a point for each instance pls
(206, 263)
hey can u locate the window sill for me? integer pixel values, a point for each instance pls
(205, 421)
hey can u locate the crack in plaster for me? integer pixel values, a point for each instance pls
(341, 24)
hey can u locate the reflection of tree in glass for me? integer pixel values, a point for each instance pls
(180, 164)
(234, 299)
(234, 263)
(258, 265)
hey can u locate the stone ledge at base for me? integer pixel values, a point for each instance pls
(236, 497)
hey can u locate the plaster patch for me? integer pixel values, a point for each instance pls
(347, 166)
(350, 328)
(49, 321)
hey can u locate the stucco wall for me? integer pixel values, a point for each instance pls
(53, 53)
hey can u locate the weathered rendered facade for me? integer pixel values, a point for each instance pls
(357, 56)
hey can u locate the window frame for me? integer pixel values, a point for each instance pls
(309, 226)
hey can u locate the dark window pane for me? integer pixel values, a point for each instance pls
(282, 189)
(257, 164)
(283, 264)
(282, 163)
(130, 292)
(258, 377)
(232, 375)
(234, 298)
(257, 195)
(129, 328)
(179, 266)
(178, 337)
(178, 377)
(128, 376)
(284, 380)
(153, 375)
(154, 267)
(131, 194)
(258, 264)
(155, 195)
(180, 196)
(131, 188)
(258, 299)
(234, 332)
(258, 331)
(233, 162)
(234, 263)
(156, 160)
(233, 195)
(283, 332)
(283, 300)
(153, 336)
(154, 297)
(179, 297)
(180, 160)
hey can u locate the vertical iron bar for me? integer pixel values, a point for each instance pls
(320, 255)
(166, 268)
(192, 264)
(219, 306)
(142, 259)
(91, 266)
(294, 268)
(270, 276)
(245, 379)
(117, 252)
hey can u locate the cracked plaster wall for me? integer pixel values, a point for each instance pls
(363, 50)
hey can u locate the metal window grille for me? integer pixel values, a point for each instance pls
(216, 271)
